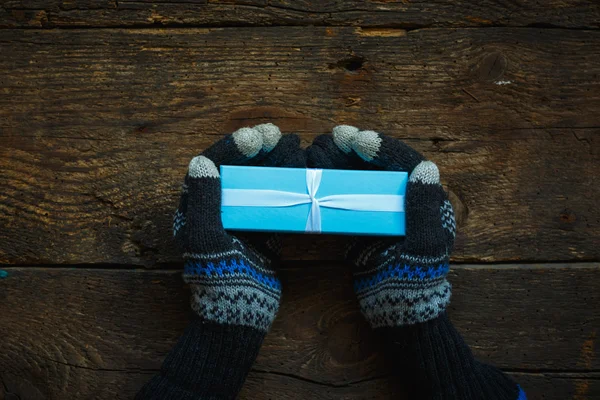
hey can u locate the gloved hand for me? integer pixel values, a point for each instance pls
(235, 290)
(401, 282)
(233, 280)
(398, 281)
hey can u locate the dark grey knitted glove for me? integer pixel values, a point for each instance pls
(232, 282)
(398, 281)
(401, 282)
(235, 290)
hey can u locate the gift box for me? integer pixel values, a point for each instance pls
(313, 200)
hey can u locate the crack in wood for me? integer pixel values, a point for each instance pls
(327, 384)
(7, 394)
(125, 370)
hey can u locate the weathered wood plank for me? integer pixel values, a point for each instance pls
(122, 385)
(101, 333)
(97, 127)
(382, 13)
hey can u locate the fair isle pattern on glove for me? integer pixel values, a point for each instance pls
(232, 287)
(403, 291)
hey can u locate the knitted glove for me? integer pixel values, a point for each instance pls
(401, 282)
(235, 290)
(398, 281)
(232, 281)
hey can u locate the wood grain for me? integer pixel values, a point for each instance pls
(99, 334)
(122, 385)
(97, 127)
(379, 13)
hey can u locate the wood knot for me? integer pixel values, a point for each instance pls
(492, 67)
(568, 217)
(567, 220)
(350, 64)
(351, 340)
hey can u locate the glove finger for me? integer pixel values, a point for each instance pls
(430, 226)
(286, 153)
(239, 147)
(325, 153)
(204, 232)
(384, 151)
(271, 135)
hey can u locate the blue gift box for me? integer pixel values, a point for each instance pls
(279, 200)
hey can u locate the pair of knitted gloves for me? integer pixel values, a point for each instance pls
(400, 282)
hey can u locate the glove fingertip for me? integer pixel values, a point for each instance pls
(202, 167)
(248, 141)
(367, 144)
(343, 137)
(270, 135)
(426, 172)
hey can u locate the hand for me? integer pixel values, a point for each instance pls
(398, 281)
(233, 280)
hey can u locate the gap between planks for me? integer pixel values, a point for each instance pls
(292, 264)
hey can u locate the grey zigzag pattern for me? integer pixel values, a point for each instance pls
(179, 221)
(448, 221)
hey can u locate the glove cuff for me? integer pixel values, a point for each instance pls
(437, 363)
(233, 291)
(210, 361)
(403, 293)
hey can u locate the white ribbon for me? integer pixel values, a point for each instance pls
(278, 198)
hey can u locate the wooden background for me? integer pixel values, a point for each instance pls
(104, 102)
